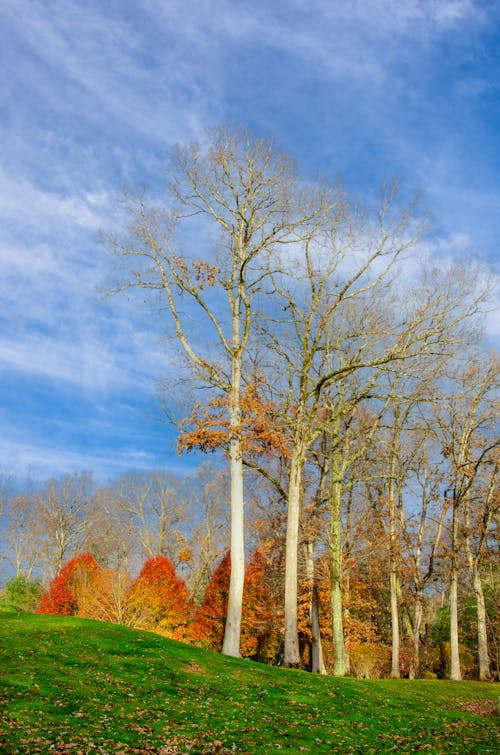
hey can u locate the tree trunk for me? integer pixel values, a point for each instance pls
(417, 624)
(291, 653)
(317, 663)
(393, 578)
(482, 637)
(395, 672)
(231, 644)
(339, 654)
(455, 672)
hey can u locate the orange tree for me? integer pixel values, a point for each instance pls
(159, 600)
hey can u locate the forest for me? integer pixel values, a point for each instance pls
(337, 374)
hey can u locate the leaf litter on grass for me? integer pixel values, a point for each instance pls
(104, 689)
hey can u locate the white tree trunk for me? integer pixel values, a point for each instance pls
(482, 636)
(317, 663)
(393, 577)
(292, 655)
(231, 644)
(339, 654)
(395, 670)
(455, 672)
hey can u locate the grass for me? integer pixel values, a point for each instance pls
(71, 685)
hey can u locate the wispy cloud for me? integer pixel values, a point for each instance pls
(93, 96)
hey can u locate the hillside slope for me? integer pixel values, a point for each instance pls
(76, 686)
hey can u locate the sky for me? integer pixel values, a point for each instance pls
(94, 95)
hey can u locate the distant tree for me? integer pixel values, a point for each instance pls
(105, 597)
(61, 512)
(153, 510)
(465, 423)
(6, 480)
(25, 535)
(21, 594)
(207, 539)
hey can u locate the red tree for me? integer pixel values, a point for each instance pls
(207, 628)
(66, 589)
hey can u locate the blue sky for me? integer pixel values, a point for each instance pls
(94, 94)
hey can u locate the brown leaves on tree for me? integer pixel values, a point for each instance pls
(261, 427)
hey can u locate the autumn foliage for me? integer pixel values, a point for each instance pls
(208, 426)
(207, 628)
(67, 590)
(159, 600)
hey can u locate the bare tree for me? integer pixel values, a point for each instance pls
(481, 507)
(421, 515)
(464, 425)
(25, 539)
(323, 339)
(208, 536)
(61, 515)
(155, 513)
(249, 200)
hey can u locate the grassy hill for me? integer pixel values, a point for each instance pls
(76, 686)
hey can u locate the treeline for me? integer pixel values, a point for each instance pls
(140, 515)
(151, 551)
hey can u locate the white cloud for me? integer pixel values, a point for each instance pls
(26, 460)
(95, 94)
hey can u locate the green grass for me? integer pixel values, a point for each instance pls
(76, 686)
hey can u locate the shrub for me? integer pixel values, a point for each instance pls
(369, 660)
(22, 594)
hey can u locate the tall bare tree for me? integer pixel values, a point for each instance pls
(481, 507)
(61, 514)
(248, 199)
(323, 339)
(154, 511)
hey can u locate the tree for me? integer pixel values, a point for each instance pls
(61, 514)
(64, 595)
(248, 194)
(480, 510)
(421, 519)
(207, 628)
(208, 538)
(335, 326)
(158, 600)
(464, 425)
(105, 597)
(437, 312)
(154, 512)
(21, 594)
(26, 534)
